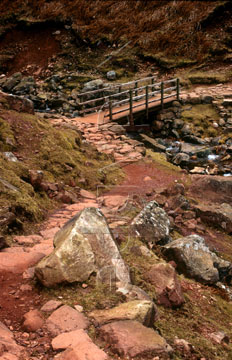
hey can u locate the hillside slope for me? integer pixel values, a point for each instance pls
(184, 30)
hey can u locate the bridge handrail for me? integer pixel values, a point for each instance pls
(116, 86)
(147, 92)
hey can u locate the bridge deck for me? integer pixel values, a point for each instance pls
(102, 117)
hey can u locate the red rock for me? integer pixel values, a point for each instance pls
(18, 103)
(147, 178)
(8, 343)
(114, 201)
(36, 178)
(66, 319)
(49, 233)
(87, 194)
(130, 338)
(82, 346)
(168, 288)
(24, 240)
(8, 356)
(51, 305)
(32, 321)
(26, 287)
(13, 262)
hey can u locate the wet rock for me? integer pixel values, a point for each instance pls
(141, 311)
(194, 259)
(216, 215)
(66, 319)
(167, 286)
(152, 224)
(84, 245)
(82, 347)
(130, 338)
(33, 321)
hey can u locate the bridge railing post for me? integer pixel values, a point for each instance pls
(131, 109)
(147, 108)
(162, 95)
(178, 89)
(136, 87)
(152, 82)
(110, 109)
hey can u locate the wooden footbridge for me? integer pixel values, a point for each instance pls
(128, 100)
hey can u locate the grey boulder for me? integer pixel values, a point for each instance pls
(194, 259)
(83, 246)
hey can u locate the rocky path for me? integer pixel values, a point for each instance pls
(31, 327)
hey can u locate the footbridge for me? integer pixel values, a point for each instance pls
(128, 101)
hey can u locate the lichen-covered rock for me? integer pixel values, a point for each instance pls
(152, 224)
(194, 258)
(143, 311)
(83, 246)
(168, 288)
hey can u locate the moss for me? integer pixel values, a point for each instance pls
(203, 313)
(7, 140)
(59, 153)
(168, 62)
(94, 296)
(207, 77)
(161, 161)
(200, 118)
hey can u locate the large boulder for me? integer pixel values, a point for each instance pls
(130, 339)
(194, 258)
(83, 246)
(143, 311)
(152, 224)
(167, 286)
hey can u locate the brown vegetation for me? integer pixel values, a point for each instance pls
(174, 28)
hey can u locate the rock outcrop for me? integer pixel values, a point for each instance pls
(83, 246)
